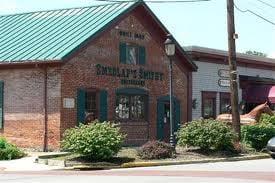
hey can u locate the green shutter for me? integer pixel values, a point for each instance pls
(160, 116)
(142, 55)
(1, 104)
(177, 115)
(103, 109)
(81, 95)
(122, 53)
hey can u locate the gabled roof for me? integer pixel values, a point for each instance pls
(53, 35)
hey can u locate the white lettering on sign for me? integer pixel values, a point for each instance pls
(224, 82)
(223, 73)
(68, 103)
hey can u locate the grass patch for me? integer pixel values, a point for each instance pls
(129, 155)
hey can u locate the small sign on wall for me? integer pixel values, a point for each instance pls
(68, 103)
(224, 82)
(223, 73)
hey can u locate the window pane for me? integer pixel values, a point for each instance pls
(131, 55)
(225, 102)
(122, 107)
(137, 107)
(90, 105)
(208, 108)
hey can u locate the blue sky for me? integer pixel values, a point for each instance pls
(201, 24)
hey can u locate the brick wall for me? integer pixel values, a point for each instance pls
(24, 106)
(80, 72)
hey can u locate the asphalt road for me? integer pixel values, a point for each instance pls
(253, 171)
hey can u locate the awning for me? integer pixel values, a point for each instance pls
(271, 95)
(259, 93)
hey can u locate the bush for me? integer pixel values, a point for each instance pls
(258, 135)
(9, 151)
(267, 119)
(207, 134)
(97, 140)
(156, 150)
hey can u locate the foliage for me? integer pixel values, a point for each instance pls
(156, 150)
(267, 119)
(256, 53)
(208, 134)
(9, 151)
(257, 135)
(96, 140)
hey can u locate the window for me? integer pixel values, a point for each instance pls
(130, 107)
(224, 102)
(90, 105)
(132, 54)
(208, 105)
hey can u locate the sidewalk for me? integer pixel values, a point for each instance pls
(26, 164)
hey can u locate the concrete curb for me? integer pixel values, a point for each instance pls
(68, 165)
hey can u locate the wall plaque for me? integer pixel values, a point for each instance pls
(68, 103)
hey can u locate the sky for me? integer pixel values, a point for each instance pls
(201, 23)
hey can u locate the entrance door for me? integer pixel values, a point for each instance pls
(163, 117)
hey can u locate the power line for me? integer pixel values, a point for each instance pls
(158, 1)
(267, 4)
(252, 12)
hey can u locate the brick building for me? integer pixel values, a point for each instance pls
(64, 67)
(211, 91)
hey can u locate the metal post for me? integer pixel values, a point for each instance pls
(171, 104)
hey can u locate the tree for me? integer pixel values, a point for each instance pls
(256, 53)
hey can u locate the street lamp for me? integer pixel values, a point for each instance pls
(170, 52)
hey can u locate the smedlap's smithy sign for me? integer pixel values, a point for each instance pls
(129, 76)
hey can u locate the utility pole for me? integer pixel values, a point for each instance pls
(233, 67)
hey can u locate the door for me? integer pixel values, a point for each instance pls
(163, 118)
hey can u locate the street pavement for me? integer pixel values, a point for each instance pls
(253, 171)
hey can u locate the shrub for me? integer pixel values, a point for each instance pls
(9, 151)
(207, 134)
(156, 150)
(258, 135)
(267, 119)
(95, 140)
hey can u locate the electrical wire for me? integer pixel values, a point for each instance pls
(157, 1)
(267, 4)
(252, 12)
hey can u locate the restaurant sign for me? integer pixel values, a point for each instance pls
(129, 76)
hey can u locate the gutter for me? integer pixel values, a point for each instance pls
(45, 137)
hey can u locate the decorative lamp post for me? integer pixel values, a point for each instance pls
(170, 52)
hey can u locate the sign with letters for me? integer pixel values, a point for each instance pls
(224, 82)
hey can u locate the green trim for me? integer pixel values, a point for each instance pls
(103, 103)
(160, 114)
(81, 97)
(131, 91)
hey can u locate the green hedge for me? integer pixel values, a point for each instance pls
(97, 140)
(207, 134)
(266, 119)
(9, 151)
(258, 135)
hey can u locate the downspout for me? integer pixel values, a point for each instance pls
(45, 145)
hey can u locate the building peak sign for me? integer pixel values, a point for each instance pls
(129, 76)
